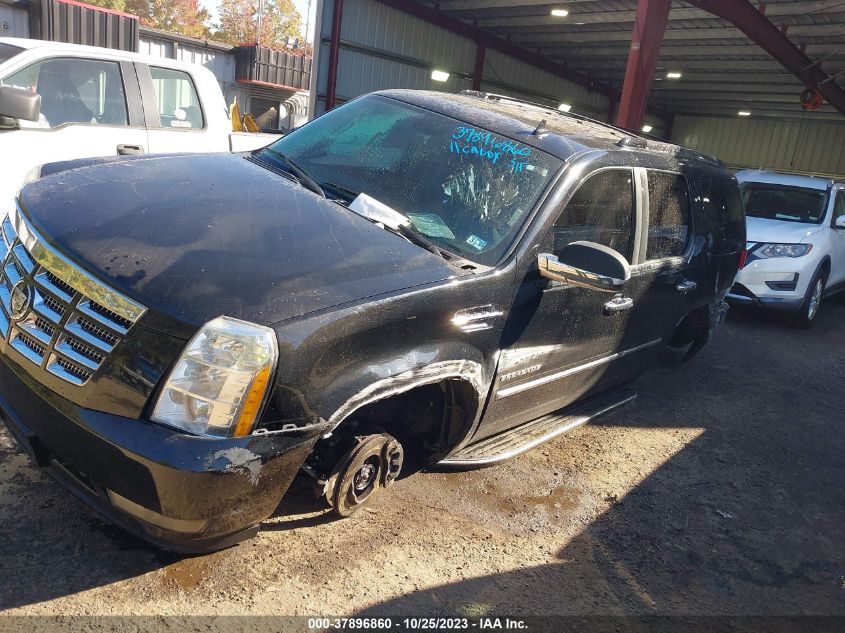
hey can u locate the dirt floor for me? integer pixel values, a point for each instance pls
(720, 491)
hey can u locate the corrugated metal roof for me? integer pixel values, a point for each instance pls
(595, 38)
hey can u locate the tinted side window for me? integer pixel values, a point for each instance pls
(178, 104)
(724, 215)
(668, 215)
(839, 209)
(75, 91)
(601, 211)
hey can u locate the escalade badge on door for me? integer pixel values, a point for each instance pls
(21, 299)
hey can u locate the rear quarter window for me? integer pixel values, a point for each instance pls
(724, 215)
(177, 100)
(668, 215)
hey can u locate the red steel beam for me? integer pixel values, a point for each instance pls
(334, 51)
(769, 37)
(646, 40)
(480, 53)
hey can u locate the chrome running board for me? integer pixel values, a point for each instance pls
(509, 444)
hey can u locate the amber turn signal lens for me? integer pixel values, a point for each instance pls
(253, 403)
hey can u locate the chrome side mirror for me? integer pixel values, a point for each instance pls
(840, 222)
(588, 265)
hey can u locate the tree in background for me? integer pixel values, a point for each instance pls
(114, 5)
(177, 16)
(239, 22)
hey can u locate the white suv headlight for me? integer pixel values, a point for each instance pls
(219, 384)
(769, 251)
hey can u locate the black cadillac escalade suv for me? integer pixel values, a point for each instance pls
(411, 279)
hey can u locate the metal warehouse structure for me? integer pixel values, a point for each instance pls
(732, 57)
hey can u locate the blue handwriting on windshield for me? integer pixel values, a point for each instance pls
(473, 142)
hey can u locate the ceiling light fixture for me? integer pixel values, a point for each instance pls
(439, 75)
(647, 128)
(744, 113)
(674, 74)
(560, 13)
(564, 107)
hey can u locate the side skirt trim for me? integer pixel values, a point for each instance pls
(570, 423)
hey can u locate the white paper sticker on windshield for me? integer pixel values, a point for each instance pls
(476, 242)
(431, 224)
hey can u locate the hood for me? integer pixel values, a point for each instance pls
(193, 237)
(779, 231)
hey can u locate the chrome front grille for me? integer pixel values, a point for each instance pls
(54, 314)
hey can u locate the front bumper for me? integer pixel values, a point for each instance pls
(777, 284)
(181, 492)
(741, 295)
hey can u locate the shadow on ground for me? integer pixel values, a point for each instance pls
(749, 518)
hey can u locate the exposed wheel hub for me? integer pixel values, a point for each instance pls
(364, 477)
(375, 461)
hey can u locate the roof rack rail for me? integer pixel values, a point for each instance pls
(579, 117)
(628, 138)
(685, 152)
(492, 96)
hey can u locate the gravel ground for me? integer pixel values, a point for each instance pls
(720, 491)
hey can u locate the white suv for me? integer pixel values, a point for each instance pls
(796, 243)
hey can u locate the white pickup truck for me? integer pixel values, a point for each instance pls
(101, 102)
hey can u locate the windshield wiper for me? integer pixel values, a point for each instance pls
(392, 220)
(344, 190)
(300, 174)
(415, 237)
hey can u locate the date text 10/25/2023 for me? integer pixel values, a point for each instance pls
(422, 623)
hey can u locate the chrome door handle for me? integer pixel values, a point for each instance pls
(686, 286)
(618, 304)
(129, 150)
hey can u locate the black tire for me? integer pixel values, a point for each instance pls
(812, 301)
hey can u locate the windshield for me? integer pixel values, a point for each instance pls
(7, 51)
(462, 187)
(784, 202)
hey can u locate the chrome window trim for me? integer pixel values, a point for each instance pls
(70, 273)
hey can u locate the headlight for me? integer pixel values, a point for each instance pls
(769, 251)
(220, 383)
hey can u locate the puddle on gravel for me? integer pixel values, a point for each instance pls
(187, 574)
(517, 497)
(560, 500)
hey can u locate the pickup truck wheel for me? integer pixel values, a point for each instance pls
(375, 461)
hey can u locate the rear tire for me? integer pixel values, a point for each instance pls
(812, 302)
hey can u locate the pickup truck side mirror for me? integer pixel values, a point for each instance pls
(840, 222)
(16, 103)
(588, 265)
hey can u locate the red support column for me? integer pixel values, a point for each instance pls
(646, 40)
(334, 51)
(480, 52)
